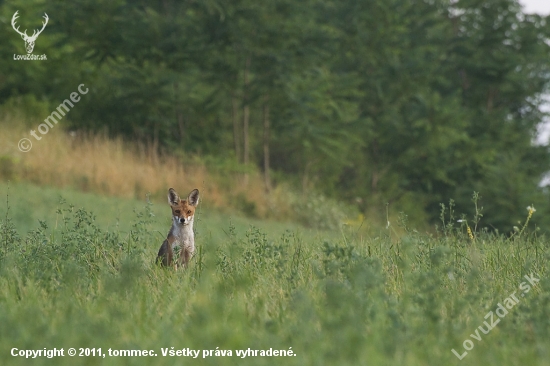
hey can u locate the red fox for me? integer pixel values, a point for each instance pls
(181, 234)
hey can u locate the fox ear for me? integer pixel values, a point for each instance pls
(193, 198)
(173, 198)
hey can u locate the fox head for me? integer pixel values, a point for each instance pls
(183, 210)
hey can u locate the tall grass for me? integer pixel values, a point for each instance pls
(113, 167)
(335, 298)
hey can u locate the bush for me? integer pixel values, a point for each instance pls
(317, 211)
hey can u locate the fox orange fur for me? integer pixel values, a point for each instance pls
(181, 233)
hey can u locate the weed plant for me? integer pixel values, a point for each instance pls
(113, 167)
(335, 299)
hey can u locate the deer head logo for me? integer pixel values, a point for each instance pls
(29, 41)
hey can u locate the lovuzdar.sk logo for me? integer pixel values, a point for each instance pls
(29, 40)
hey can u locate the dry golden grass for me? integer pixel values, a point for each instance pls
(98, 164)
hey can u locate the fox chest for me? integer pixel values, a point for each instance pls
(183, 238)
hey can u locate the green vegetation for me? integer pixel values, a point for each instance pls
(407, 102)
(110, 167)
(30, 204)
(334, 298)
(312, 112)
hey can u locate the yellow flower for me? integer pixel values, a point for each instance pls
(531, 210)
(470, 234)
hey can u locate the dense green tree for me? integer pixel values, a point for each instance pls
(407, 102)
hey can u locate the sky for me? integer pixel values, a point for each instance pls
(541, 7)
(536, 6)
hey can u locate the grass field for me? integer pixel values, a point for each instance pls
(116, 168)
(72, 279)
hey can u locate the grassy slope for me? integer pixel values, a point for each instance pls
(111, 167)
(333, 298)
(29, 203)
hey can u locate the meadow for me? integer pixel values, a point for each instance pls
(77, 270)
(277, 271)
(114, 168)
(322, 135)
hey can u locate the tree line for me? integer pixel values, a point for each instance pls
(407, 102)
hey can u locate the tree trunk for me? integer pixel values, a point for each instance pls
(246, 117)
(492, 94)
(246, 114)
(375, 177)
(181, 126)
(235, 117)
(178, 113)
(266, 144)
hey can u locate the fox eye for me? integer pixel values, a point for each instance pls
(177, 212)
(189, 212)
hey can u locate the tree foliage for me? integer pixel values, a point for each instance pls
(399, 101)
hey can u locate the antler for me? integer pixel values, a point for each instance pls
(15, 16)
(24, 34)
(43, 26)
(29, 41)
